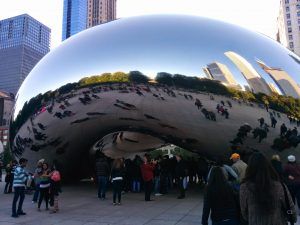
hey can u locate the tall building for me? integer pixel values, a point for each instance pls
(285, 83)
(221, 73)
(207, 73)
(74, 17)
(6, 106)
(288, 23)
(273, 88)
(23, 42)
(255, 81)
(101, 11)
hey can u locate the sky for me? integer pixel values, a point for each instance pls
(258, 15)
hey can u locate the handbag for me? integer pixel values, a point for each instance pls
(288, 210)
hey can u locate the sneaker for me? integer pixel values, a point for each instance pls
(21, 213)
(53, 211)
(14, 216)
(119, 203)
(158, 194)
(33, 202)
(114, 203)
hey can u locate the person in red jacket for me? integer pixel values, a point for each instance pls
(147, 169)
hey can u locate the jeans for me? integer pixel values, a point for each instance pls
(226, 222)
(136, 186)
(181, 187)
(19, 193)
(295, 193)
(102, 182)
(117, 189)
(36, 193)
(157, 184)
(44, 194)
(148, 189)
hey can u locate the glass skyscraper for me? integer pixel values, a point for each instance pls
(23, 42)
(74, 17)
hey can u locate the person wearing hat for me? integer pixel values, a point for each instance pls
(239, 166)
(292, 174)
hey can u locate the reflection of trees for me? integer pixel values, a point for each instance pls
(288, 105)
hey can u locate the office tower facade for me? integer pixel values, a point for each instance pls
(221, 73)
(288, 23)
(74, 17)
(23, 42)
(255, 81)
(273, 88)
(283, 80)
(6, 106)
(101, 11)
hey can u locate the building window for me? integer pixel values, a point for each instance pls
(291, 45)
(290, 37)
(287, 1)
(287, 9)
(289, 29)
(289, 23)
(298, 13)
(288, 16)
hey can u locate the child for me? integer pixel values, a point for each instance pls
(54, 189)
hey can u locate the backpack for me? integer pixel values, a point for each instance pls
(55, 176)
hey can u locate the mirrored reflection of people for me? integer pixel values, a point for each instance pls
(222, 207)
(181, 173)
(20, 177)
(147, 169)
(262, 196)
(292, 174)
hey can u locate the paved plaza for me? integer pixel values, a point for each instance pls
(80, 206)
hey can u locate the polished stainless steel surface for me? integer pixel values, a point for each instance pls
(71, 123)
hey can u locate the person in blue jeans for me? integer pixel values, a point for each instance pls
(20, 177)
(102, 172)
(220, 200)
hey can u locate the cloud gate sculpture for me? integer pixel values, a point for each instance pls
(136, 84)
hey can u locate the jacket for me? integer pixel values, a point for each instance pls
(292, 169)
(102, 168)
(147, 170)
(240, 168)
(20, 176)
(251, 211)
(181, 169)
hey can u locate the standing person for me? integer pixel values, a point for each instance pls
(12, 168)
(55, 189)
(292, 174)
(283, 130)
(102, 172)
(157, 173)
(44, 186)
(261, 121)
(262, 196)
(136, 174)
(8, 180)
(181, 173)
(277, 165)
(37, 173)
(239, 166)
(117, 174)
(1, 167)
(222, 207)
(147, 169)
(20, 177)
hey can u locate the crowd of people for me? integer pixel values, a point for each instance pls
(45, 182)
(259, 192)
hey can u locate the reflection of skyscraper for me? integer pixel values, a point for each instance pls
(255, 81)
(207, 73)
(273, 88)
(221, 73)
(286, 84)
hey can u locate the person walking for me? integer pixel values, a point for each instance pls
(20, 177)
(292, 175)
(44, 186)
(102, 172)
(147, 169)
(181, 173)
(117, 174)
(277, 165)
(223, 207)
(55, 189)
(263, 199)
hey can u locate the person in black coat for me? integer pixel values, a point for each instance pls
(277, 165)
(102, 172)
(117, 177)
(180, 173)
